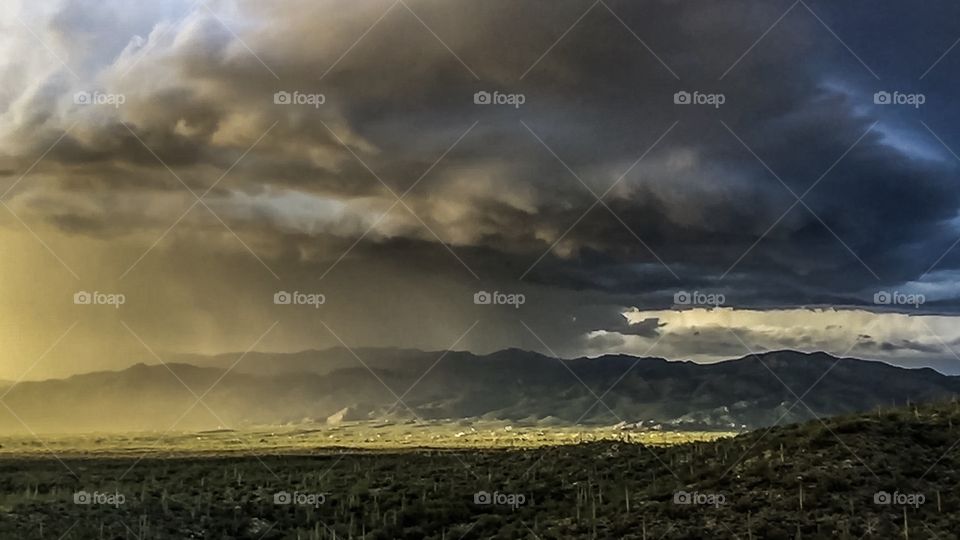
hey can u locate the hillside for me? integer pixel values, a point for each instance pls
(890, 473)
(513, 385)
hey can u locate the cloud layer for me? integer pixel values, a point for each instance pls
(597, 195)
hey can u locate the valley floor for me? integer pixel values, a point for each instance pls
(324, 439)
(888, 474)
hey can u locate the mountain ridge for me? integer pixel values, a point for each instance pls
(512, 384)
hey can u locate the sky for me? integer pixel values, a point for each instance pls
(690, 180)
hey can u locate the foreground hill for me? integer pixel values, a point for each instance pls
(514, 385)
(886, 474)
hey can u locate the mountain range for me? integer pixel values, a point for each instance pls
(401, 385)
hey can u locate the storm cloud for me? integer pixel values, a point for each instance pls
(599, 158)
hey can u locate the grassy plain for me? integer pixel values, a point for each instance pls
(887, 474)
(323, 439)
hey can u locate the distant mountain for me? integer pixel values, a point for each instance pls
(320, 362)
(516, 385)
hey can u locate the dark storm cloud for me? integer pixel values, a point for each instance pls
(700, 211)
(909, 345)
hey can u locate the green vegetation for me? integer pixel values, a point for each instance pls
(887, 474)
(466, 434)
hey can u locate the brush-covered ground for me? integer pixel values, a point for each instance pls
(320, 438)
(888, 474)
